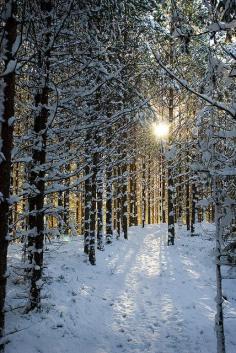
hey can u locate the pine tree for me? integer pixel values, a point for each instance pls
(7, 110)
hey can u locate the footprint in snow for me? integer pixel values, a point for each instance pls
(156, 324)
(149, 302)
(119, 345)
(122, 330)
(151, 328)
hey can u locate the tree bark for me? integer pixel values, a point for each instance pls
(219, 317)
(87, 207)
(187, 205)
(92, 230)
(7, 87)
(193, 209)
(133, 196)
(170, 181)
(118, 203)
(149, 192)
(109, 230)
(37, 174)
(143, 194)
(124, 201)
(100, 245)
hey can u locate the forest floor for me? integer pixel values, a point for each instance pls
(142, 296)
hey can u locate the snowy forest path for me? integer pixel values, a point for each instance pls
(142, 296)
(162, 301)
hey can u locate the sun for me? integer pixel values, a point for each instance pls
(161, 129)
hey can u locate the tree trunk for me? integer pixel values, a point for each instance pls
(133, 196)
(143, 194)
(187, 205)
(149, 192)
(193, 209)
(162, 186)
(36, 178)
(15, 183)
(60, 205)
(219, 317)
(109, 231)
(118, 201)
(87, 207)
(100, 245)
(170, 181)
(66, 204)
(124, 201)
(92, 229)
(171, 226)
(7, 87)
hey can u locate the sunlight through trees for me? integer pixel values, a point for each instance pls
(115, 114)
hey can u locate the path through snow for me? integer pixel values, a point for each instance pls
(141, 297)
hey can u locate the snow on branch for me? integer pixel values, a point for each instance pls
(220, 105)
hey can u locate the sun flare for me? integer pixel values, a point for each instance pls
(161, 129)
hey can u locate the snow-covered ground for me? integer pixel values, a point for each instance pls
(142, 296)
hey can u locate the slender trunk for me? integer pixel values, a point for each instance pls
(187, 205)
(114, 204)
(118, 201)
(170, 181)
(149, 193)
(100, 245)
(200, 209)
(82, 209)
(171, 226)
(193, 209)
(7, 97)
(143, 194)
(156, 198)
(109, 231)
(60, 206)
(92, 229)
(124, 202)
(178, 200)
(219, 317)
(66, 204)
(15, 183)
(51, 216)
(133, 195)
(87, 206)
(162, 190)
(170, 186)
(131, 198)
(77, 213)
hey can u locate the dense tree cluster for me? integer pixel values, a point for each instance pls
(82, 84)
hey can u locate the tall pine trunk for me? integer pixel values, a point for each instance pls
(219, 317)
(124, 201)
(87, 207)
(149, 192)
(170, 181)
(143, 194)
(37, 173)
(92, 230)
(100, 245)
(118, 202)
(193, 209)
(109, 230)
(133, 195)
(7, 90)
(187, 204)
(170, 186)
